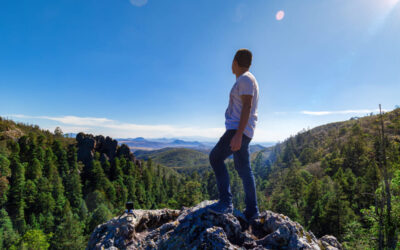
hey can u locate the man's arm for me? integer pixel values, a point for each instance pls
(236, 141)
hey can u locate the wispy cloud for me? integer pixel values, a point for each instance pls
(71, 120)
(340, 112)
(122, 129)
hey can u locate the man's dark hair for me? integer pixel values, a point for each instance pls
(243, 57)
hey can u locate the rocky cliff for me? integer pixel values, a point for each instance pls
(107, 147)
(196, 228)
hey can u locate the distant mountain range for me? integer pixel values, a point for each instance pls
(141, 143)
(181, 155)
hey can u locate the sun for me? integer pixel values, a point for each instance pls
(391, 3)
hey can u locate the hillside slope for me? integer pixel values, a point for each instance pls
(180, 159)
(55, 189)
(329, 179)
(188, 160)
(322, 139)
(336, 172)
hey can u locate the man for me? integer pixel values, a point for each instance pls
(240, 121)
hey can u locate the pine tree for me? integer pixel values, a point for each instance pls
(5, 173)
(58, 132)
(312, 198)
(130, 184)
(190, 194)
(107, 169)
(296, 184)
(69, 234)
(30, 194)
(97, 176)
(116, 170)
(16, 203)
(8, 236)
(45, 201)
(33, 239)
(283, 203)
(110, 191)
(95, 198)
(316, 224)
(46, 222)
(121, 192)
(100, 215)
(73, 188)
(337, 212)
(212, 188)
(62, 159)
(72, 156)
(34, 170)
(140, 195)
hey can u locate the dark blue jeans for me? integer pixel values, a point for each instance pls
(241, 158)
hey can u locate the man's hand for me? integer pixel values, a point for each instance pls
(236, 141)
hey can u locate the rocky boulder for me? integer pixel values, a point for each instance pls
(196, 228)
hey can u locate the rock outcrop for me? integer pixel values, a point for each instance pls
(196, 228)
(108, 148)
(11, 133)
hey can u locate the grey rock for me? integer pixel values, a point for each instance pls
(196, 228)
(330, 242)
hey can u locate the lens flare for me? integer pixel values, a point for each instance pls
(280, 15)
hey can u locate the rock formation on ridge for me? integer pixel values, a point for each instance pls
(108, 148)
(196, 228)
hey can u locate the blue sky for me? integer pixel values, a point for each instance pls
(163, 68)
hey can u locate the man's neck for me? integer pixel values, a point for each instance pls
(241, 72)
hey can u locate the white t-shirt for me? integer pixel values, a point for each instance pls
(246, 84)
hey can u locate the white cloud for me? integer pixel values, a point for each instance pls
(340, 112)
(68, 129)
(138, 3)
(120, 129)
(73, 120)
(269, 128)
(79, 121)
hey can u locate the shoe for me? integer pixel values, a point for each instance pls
(251, 217)
(221, 208)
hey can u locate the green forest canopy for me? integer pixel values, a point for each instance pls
(332, 179)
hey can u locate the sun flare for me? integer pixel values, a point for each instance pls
(280, 15)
